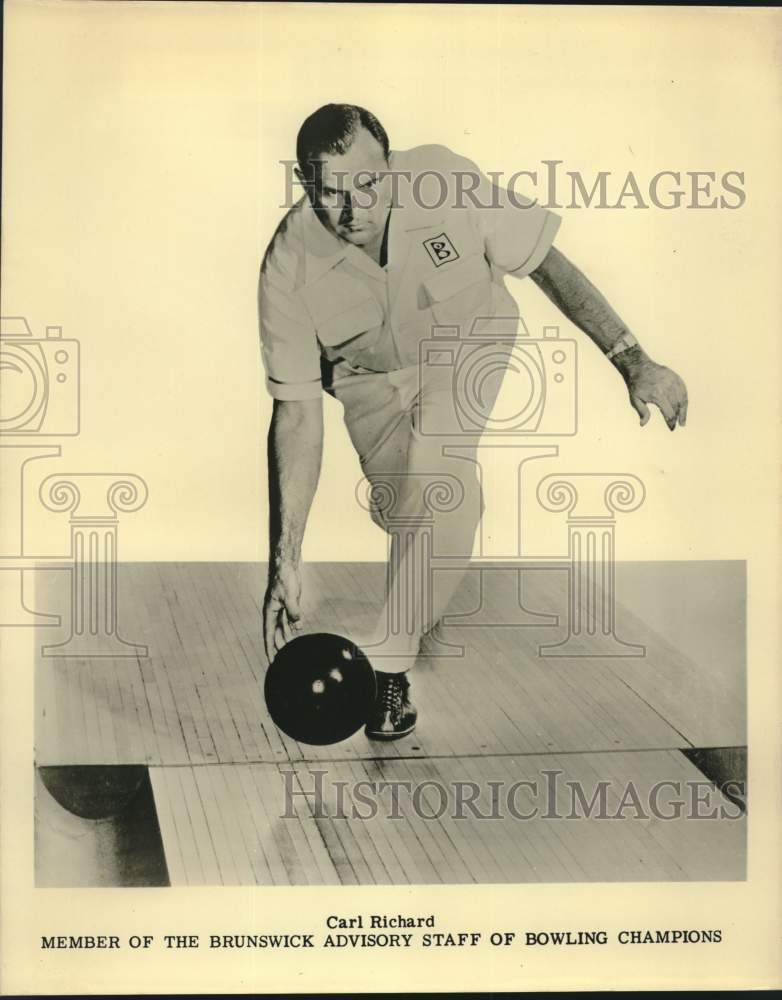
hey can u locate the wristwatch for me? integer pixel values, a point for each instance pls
(625, 341)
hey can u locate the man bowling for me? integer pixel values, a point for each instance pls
(384, 247)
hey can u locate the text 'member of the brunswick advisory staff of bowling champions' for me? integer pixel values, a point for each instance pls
(384, 248)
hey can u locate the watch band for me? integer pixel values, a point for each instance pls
(625, 341)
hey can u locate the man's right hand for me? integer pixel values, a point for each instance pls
(281, 608)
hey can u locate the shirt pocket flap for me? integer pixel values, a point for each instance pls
(341, 308)
(457, 277)
(349, 324)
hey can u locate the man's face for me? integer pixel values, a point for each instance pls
(353, 191)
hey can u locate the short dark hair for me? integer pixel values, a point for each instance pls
(332, 129)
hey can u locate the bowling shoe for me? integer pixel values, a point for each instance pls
(393, 714)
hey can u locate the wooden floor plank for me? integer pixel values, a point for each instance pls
(525, 850)
(130, 740)
(463, 832)
(169, 829)
(268, 787)
(414, 863)
(218, 822)
(323, 870)
(230, 677)
(174, 659)
(262, 825)
(140, 629)
(635, 847)
(204, 656)
(301, 866)
(150, 607)
(176, 829)
(501, 846)
(204, 834)
(243, 680)
(444, 863)
(369, 863)
(227, 792)
(379, 828)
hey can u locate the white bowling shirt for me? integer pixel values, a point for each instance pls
(327, 310)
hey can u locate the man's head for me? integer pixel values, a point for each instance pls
(343, 155)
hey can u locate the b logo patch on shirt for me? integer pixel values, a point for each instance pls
(440, 249)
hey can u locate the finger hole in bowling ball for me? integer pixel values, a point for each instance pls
(320, 689)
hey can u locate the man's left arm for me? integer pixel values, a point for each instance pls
(579, 300)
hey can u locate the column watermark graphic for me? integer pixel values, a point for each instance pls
(94, 501)
(592, 501)
(40, 379)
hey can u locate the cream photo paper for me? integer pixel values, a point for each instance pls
(390, 440)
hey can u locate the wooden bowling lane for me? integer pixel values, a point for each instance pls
(198, 699)
(691, 617)
(695, 673)
(227, 825)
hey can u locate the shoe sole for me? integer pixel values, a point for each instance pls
(388, 737)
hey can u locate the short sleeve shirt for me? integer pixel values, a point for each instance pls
(327, 310)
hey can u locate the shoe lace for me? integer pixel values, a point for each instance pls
(391, 698)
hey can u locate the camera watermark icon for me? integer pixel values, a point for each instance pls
(537, 377)
(40, 379)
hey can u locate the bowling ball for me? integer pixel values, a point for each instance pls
(320, 688)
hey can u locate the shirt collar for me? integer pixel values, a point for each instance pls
(323, 250)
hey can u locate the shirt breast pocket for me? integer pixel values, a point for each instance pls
(461, 292)
(344, 314)
(343, 330)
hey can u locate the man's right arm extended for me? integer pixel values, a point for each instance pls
(295, 451)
